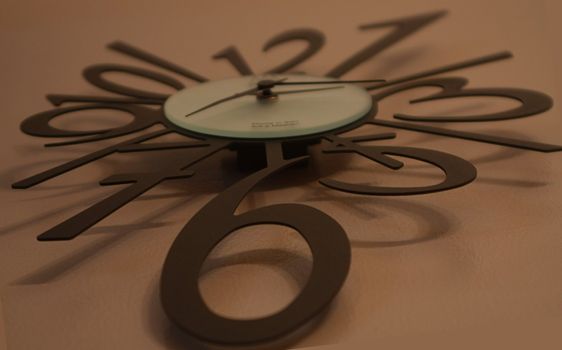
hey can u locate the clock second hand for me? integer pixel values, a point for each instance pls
(306, 90)
(445, 69)
(331, 82)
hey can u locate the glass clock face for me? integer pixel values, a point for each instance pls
(301, 113)
(162, 216)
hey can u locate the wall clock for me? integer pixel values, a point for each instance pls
(269, 143)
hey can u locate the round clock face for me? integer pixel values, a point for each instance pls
(295, 111)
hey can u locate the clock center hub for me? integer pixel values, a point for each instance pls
(295, 113)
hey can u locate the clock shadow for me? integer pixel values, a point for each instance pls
(432, 223)
(115, 234)
(206, 181)
(393, 62)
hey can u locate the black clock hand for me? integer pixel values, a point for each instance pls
(330, 82)
(222, 100)
(266, 85)
(239, 94)
(305, 90)
(445, 69)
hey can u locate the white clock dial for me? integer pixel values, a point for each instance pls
(293, 114)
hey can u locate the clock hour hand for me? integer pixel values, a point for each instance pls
(251, 91)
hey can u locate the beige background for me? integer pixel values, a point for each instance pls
(475, 263)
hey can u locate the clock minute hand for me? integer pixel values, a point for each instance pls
(306, 90)
(329, 82)
(237, 95)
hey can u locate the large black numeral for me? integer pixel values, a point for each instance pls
(314, 39)
(139, 184)
(532, 102)
(180, 294)
(94, 75)
(39, 124)
(148, 57)
(401, 28)
(233, 55)
(458, 171)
